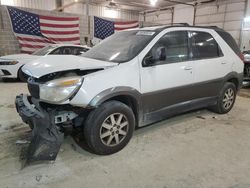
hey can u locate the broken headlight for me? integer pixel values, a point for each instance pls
(60, 90)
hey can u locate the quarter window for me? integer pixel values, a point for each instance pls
(204, 46)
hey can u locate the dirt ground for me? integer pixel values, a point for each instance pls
(195, 150)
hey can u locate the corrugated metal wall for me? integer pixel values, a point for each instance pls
(36, 4)
(226, 14)
(78, 8)
(95, 10)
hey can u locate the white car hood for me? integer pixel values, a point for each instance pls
(18, 57)
(57, 63)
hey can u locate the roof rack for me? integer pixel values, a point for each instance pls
(171, 24)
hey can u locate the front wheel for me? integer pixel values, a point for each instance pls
(226, 99)
(109, 128)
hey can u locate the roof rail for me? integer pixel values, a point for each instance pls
(170, 24)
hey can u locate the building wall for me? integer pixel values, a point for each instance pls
(35, 4)
(95, 10)
(227, 14)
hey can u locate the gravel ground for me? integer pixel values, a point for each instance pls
(194, 150)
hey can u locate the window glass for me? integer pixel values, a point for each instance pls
(171, 48)
(122, 46)
(44, 51)
(78, 50)
(204, 46)
(62, 51)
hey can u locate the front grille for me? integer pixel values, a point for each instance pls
(33, 88)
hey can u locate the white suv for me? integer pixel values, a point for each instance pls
(131, 79)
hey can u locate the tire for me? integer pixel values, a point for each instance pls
(109, 127)
(226, 99)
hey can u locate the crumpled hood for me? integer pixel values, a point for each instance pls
(18, 57)
(57, 63)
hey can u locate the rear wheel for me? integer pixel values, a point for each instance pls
(109, 128)
(226, 99)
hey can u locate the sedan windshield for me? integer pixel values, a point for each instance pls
(121, 47)
(43, 51)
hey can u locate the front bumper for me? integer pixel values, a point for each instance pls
(9, 71)
(47, 137)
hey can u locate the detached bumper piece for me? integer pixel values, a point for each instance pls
(46, 135)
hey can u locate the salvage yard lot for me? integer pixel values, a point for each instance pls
(198, 149)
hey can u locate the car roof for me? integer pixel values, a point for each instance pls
(74, 45)
(182, 25)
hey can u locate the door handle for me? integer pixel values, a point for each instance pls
(223, 63)
(187, 68)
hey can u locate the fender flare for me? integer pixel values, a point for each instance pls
(113, 92)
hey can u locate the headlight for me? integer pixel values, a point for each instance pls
(8, 62)
(60, 90)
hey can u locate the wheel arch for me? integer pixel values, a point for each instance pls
(127, 95)
(235, 78)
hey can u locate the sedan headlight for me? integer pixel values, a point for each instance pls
(60, 90)
(8, 62)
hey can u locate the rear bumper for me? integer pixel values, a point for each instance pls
(47, 137)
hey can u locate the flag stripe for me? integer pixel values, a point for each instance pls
(59, 18)
(62, 32)
(32, 45)
(61, 36)
(59, 25)
(33, 39)
(56, 29)
(23, 43)
(58, 22)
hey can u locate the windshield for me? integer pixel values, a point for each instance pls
(121, 47)
(43, 51)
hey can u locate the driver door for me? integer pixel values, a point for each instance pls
(167, 80)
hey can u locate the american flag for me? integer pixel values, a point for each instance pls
(35, 31)
(104, 28)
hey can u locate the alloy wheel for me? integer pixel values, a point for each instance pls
(228, 98)
(114, 129)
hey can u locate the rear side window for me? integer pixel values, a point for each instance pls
(204, 46)
(230, 41)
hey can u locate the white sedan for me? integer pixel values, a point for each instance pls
(10, 65)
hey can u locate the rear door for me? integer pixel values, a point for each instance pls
(209, 64)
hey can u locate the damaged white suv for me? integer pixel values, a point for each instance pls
(131, 79)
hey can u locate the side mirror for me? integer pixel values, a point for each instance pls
(148, 61)
(157, 54)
